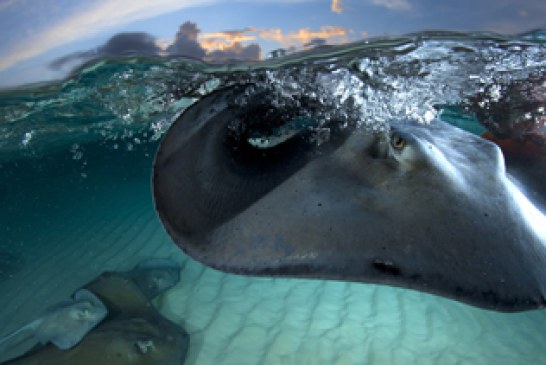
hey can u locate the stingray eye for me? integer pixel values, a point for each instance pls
(397, 142)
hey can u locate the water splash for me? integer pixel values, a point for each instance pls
(127, 102)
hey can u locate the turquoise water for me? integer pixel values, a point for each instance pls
(75, 162)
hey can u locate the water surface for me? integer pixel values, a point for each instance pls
(75, 162)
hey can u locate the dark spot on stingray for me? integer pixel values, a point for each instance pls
(415, 277)
(489, 295)
(386, 267)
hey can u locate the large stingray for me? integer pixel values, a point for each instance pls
(422, 207)
(133, 333)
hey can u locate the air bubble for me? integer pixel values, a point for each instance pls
(26, 138)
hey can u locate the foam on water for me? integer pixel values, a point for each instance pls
(76, 158)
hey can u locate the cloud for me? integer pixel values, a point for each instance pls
(185, 43)
(130, 43)
(189, 42)
(393, 4)
(236, 52)
(6, 4)
(189, 31)
(315, 42)
(336, 6)
(121, 44)
(226, 46)
(103, 15)
(216, 47)
(305, 35)
(72, 59)
(225, 39)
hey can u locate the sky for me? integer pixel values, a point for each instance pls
(43, 39)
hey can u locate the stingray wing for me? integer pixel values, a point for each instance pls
(427, 208)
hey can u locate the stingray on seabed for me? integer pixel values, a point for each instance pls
(425, 207)
(64, 325)
(133, 332)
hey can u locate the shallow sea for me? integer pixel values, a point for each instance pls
(75, 200)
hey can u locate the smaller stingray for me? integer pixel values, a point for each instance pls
(154, 276)
(133, 333)
(65, 324)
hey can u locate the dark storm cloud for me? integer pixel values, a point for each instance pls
(76, 57)
(186, 44)
(188, 30)
(130, 43)
(121, 44)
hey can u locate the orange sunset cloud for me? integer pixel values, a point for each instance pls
(305, 35)
(225, 39)
(336, 6)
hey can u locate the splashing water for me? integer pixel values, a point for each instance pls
(75, 162)
(128, 101)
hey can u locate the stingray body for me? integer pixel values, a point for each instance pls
(65, 324)
(154, 276)
(422, 207)
(133, 333)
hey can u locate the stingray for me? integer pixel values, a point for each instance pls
(133, 333)
(154, 276)
(65, 324)
(424, 207)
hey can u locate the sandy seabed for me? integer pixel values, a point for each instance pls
(71, 229)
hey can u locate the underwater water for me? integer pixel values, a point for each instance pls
(75, 165)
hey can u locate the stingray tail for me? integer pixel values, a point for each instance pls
(15, 338)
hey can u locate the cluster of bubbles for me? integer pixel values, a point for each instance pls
(124, 103)
(512, 110)
(419, 80)
(314, 98)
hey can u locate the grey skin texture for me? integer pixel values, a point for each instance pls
(429, 208)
